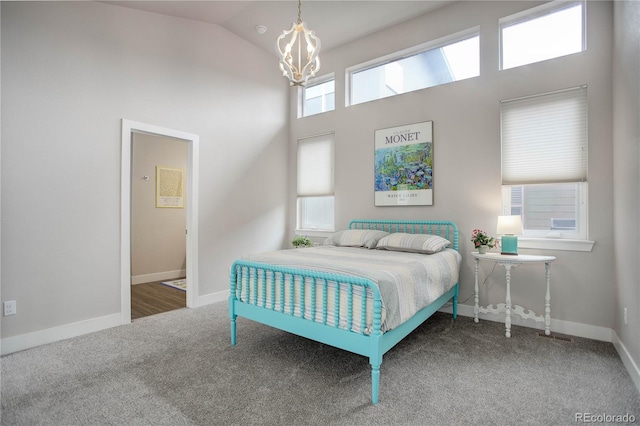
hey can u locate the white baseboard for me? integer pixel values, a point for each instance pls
(564, 327)
(42, 337)
(627, 360)
(54, 334)
(158, 276)
(208, 299)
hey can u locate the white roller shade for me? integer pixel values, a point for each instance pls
(315, 166)
(544, 138)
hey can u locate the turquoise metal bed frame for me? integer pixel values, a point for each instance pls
(373, 345)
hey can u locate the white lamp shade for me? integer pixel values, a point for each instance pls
(509, 225)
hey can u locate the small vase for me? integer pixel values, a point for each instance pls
(482, 249)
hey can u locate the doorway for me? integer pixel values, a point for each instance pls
(158, 223)
(135, 268)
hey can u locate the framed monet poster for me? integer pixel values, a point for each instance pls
(404, 165)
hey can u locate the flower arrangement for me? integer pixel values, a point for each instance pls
(302, 241)
(480, 238)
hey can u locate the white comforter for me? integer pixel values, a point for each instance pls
(407, 281)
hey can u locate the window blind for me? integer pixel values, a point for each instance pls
(315, 166)
(544, 138)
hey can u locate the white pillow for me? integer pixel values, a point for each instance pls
(414, 243)
(355, 238)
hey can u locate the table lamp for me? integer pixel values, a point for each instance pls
(509, 227)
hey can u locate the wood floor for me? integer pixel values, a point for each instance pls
(155, 298)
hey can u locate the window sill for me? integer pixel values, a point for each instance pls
(555, 244)
(317, 237)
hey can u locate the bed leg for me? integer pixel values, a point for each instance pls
(232, 317)
(455, 302)
(375, 383)
(233, 331)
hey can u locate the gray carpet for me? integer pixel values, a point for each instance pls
(179, 368)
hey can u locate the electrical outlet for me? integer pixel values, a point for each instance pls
(626, 322)
(9, 308)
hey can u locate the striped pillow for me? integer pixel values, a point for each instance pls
(414, 243)
(355, 238)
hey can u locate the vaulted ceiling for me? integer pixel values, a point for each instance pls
(334, 22)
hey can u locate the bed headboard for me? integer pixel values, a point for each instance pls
(445, 229)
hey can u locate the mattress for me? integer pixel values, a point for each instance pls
(407, 282)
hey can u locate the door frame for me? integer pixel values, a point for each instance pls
(193, 151)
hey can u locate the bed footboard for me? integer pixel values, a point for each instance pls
(338, 310)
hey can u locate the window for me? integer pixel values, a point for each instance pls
(443, 61)
(315, 183)
(549, 31)
(316, 213)
(547, 210)
(544, 163)
(319, 96)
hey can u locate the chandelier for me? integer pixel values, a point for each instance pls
(298, 62)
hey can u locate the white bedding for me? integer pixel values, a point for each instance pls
(407, 281)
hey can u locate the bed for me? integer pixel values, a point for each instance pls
(362, 291)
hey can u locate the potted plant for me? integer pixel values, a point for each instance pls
(301, 241)
(482, 241)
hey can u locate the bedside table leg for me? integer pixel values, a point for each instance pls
(507, 321)
(476, 306)
(547, 301)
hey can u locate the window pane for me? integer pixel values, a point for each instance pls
(464, 58)
(316, 213)
(455, 61)
(319, 98)
(539, 38)
(547, 208)
(544, 204)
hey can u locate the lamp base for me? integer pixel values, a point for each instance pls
(509, 244)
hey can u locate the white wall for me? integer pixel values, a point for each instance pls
(466, 121)
(70, 72)
(626, 175)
